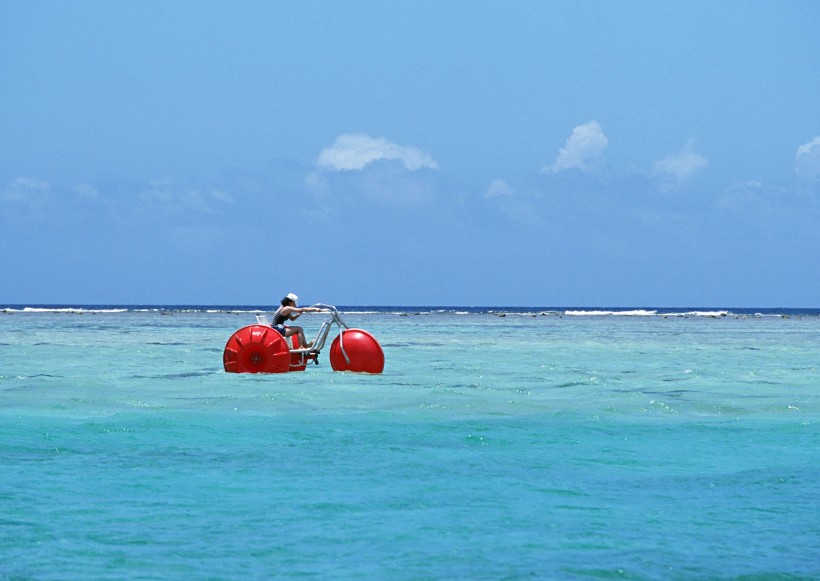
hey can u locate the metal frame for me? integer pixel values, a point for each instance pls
(312, 352)
(321, 337)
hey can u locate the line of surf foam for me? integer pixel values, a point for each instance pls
(68, 310)
(633, 313)
(645, 313)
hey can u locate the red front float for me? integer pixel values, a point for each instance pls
(362, 349)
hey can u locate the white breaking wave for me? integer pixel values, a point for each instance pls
(635, 313)
(69, 310)
(646, 313)
(713, 314)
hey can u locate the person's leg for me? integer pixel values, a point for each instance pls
(294, 330)
(303, 342)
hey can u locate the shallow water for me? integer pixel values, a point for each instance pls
(527, 445)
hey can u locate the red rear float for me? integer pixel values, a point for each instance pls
(298, 361)
(256, 349)
(362, 349)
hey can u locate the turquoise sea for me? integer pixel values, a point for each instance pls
(497, 444)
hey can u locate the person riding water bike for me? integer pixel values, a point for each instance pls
(288, 311)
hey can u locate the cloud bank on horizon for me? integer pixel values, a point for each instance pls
(381, 171)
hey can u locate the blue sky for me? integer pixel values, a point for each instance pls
(411, 153)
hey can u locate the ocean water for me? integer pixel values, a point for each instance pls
(497, 444)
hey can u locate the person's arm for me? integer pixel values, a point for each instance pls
(295, 312)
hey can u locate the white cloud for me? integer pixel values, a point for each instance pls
(740, 194)
(180, 199)
(158, 191)
(583, 149)
(316, 183)
(498, 188)
(676, 169)
(355, 151)
(807, 161)
(221, 196)
(28, 198)
(397, 188)
(86, 190)
(25, 188)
